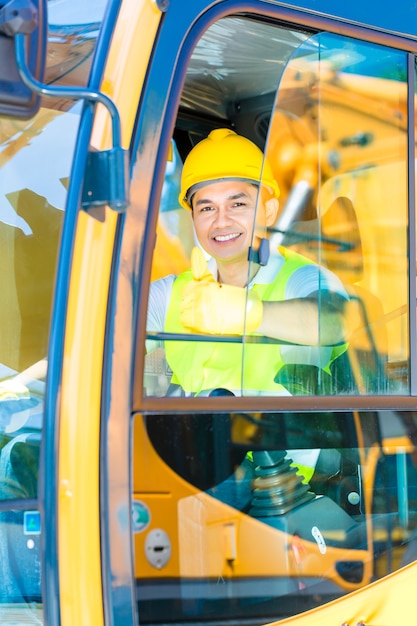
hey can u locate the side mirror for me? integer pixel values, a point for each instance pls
(27, 18)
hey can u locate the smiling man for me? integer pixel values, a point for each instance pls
(237, 287)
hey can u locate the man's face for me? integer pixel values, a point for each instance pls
(224, 213)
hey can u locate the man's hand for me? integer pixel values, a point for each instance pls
(213, 308)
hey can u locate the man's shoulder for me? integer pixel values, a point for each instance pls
(164, 280)
(162, 286)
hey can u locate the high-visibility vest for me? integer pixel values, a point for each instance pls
(247, 368)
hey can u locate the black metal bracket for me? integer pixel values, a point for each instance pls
(18, 16)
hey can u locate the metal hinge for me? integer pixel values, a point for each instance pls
(106, 180)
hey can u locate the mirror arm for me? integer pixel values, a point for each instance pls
(110, 166)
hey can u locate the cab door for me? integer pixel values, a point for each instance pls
(57, 253)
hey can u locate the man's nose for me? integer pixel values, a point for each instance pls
(223, 215)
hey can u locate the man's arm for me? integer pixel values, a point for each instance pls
(212, 308)
(312, 321)
(311, 314)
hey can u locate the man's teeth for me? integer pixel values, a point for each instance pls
(226, 237)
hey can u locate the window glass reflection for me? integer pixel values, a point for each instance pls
(269, 515)
(334, 135)
(36, 161)
(338, 143)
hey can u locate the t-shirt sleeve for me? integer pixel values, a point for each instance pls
(159, 297)
(310, 279)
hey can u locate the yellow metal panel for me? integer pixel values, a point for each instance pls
(387, 602)
(79, 513)
(208, 536)
(132, 43)
(79, 532)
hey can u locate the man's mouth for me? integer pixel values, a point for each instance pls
(228, 237)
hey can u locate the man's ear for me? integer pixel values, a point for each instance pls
(271, 210)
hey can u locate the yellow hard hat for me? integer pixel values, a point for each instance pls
(224, 155)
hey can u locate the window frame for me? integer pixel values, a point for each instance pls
(164, 129)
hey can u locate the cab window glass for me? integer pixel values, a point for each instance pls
(345, 201)
(35, 164)
(329, 115)
(269, 515)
